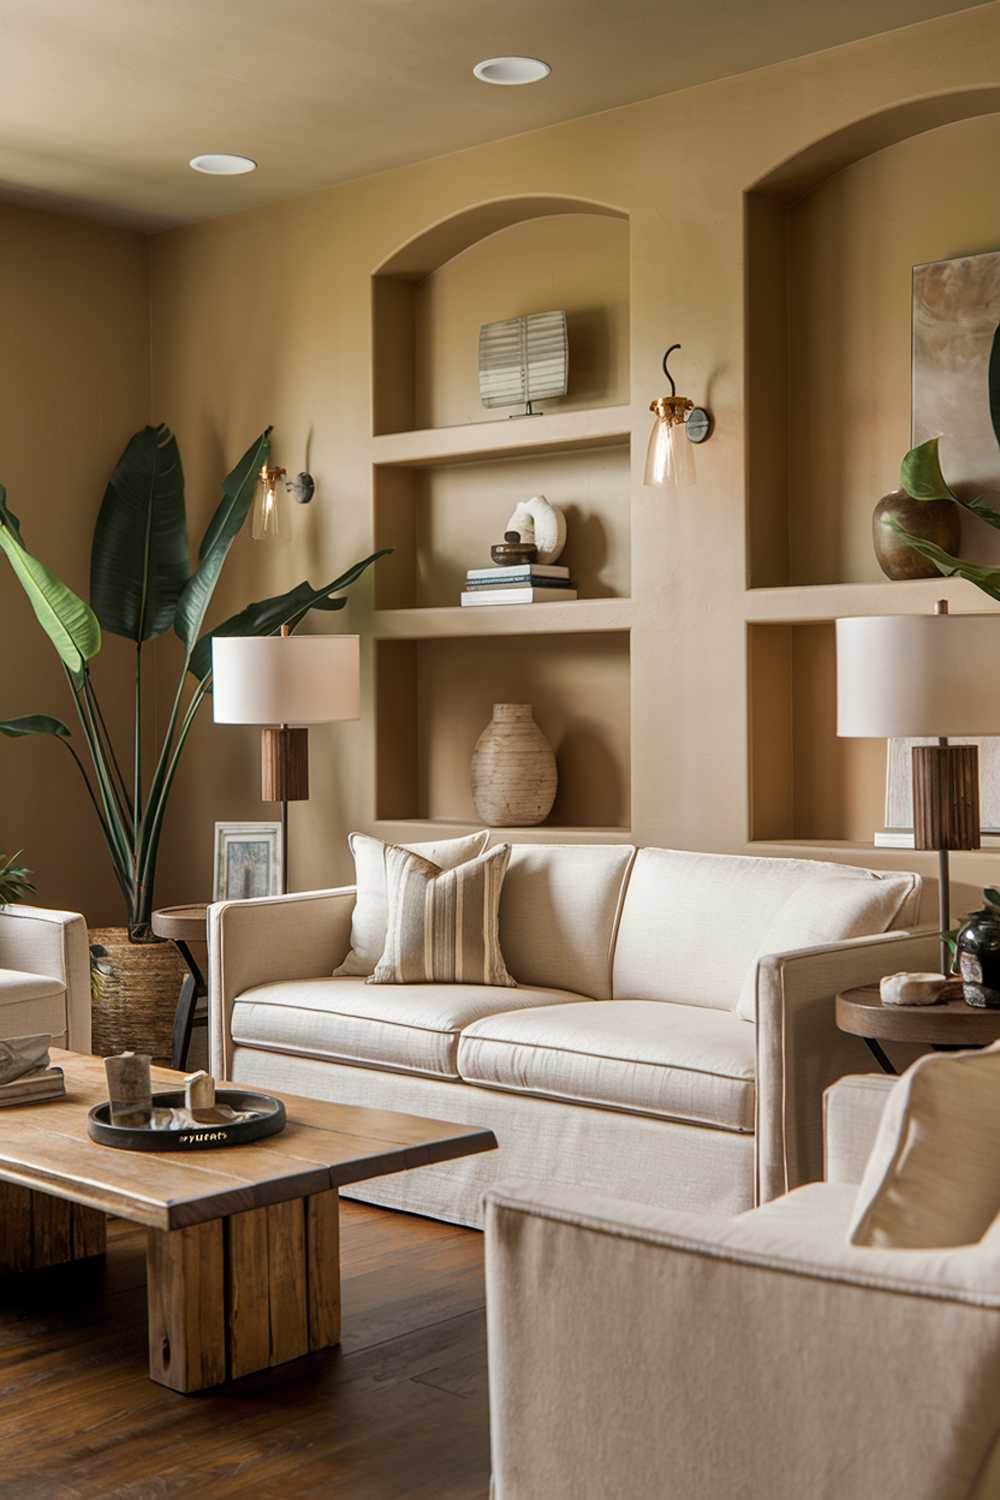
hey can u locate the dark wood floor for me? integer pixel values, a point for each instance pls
(399, 1411)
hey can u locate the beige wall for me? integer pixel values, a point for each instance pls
(74, 385)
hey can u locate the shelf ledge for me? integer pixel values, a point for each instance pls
(596, 427)
(572, 617)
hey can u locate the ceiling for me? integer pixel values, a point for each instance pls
(104, 102)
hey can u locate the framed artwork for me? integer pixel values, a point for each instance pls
(247, 860)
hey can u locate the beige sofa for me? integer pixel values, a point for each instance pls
(45, 975)
(669, 1041)
(689, 1356)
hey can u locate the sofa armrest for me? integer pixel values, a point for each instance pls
(53, 943)
(801, 1051)
(852, 1112)
(642, 1352)
(301, 936)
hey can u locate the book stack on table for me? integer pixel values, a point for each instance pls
(33, 1088)
(518, 583)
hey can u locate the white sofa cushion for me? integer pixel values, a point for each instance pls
(410, 1028)
(559, 914)
(933, 1178)
(30, 1003)
(692, 924)
(444, 925)
(368, 920)
(648, 1057)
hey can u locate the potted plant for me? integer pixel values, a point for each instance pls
(15, 880)
(143, 584)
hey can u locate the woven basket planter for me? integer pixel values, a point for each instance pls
(133, 991)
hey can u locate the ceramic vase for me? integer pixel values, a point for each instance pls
(935, 521)
(514, 776)
(979, 960)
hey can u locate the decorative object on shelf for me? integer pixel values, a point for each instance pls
(669, 460)
(512, 550)
(133, 988)
(248, 861)
(23, 1054)
(15, 880)
(130, 1089)
(923, 675)
(514, 776)
(934, 521)
(523, 360)
(268, 522)
(285, 683)
(518, 591)
(540, 524)
(911, 989)
(142, 585)
(977, 951)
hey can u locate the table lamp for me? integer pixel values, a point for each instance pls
(285, 683)
(919, 676)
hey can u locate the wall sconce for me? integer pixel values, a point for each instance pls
(268, 519)
(678, 422)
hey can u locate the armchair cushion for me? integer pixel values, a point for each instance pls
(30, 1003)
(677, 1062)
(932, 1180)
(410, 1028)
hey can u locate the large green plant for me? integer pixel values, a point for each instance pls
(142, 584)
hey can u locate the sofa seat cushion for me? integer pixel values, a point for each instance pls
(410, 1028)
(30, 1003)
(677, 1062)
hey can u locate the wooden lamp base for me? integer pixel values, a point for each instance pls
(945, 814)
(284, 765)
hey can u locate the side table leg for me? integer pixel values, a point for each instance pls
(183, 1022)
(879, 1055)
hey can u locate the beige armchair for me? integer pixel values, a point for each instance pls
(45, 975)
(674, 1356)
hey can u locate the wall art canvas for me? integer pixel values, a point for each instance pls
(247, 860)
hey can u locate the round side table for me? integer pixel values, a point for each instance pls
(948, 1025)
(184, 926)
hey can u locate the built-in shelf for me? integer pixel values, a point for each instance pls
(509, 437)
(831, 601)
(572, 617)
(414, 830)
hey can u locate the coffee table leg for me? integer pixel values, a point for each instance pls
(37, 1230)
(242, 1294)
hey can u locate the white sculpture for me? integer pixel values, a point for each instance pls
(537, 521)
(911, 989)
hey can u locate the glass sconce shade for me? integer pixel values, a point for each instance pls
(669, 460)
(268, 521)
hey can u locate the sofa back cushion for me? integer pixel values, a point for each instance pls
(559, 914)
(692, 925)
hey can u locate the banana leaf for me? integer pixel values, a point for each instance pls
(69, 623)
(921, 477)
(268, 615)
(34, 724)
(139, 559)
(987, 579)
(237, 497)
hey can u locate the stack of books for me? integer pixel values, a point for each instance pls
(33, 1088)
(518, 583)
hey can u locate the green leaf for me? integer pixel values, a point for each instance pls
(994, 383)
(223, 529)
(920, 473)
(268, 615)
(34, 724)
(992, 895)
(71, 625)
(139, 560)
(987, 579)
(15, 880)
(978, 507)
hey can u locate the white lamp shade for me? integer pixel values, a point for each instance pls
(918, 675)
(295, 679)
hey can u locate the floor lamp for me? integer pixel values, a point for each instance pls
(284, 683)
(926, 676)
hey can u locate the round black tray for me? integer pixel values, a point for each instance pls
(270, 1120)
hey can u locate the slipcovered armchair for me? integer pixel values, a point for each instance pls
(675, 1356)
(45, 975)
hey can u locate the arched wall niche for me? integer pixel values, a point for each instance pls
(490, 261)
(831, 235)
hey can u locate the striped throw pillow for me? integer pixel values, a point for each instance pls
(444, 925)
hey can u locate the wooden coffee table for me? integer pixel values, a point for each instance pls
(948, 1025)
(243, 1248)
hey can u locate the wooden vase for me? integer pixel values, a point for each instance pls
(514, 775)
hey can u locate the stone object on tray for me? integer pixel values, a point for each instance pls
(911, 989)
(20, 1055)
(130, 1090)
(199, 1097)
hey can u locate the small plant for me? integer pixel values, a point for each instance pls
(15, 880)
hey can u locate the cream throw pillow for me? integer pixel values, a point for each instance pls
(368, 922)
(828, 909)
(444, 925)
(933, 1178)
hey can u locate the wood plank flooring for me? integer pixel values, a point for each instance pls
(400, 1410)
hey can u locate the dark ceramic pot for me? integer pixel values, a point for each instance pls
(979, 960)
(932, 520)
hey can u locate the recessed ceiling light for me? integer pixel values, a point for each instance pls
(511, 70)
(219, 164)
